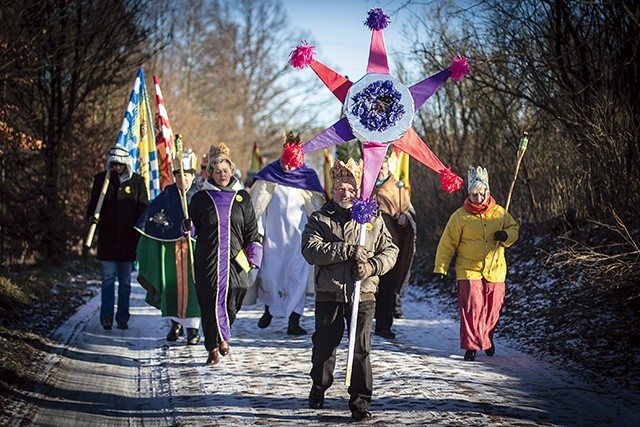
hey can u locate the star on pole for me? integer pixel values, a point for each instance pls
(378, 108)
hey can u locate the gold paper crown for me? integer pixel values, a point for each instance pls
(351, 172)
(219, 153)
(189, 161)
(477, 175)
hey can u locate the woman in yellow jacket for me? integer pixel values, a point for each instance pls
(473, 231)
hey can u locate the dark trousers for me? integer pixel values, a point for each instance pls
(330, 318)
(385, 302)
(206, 298)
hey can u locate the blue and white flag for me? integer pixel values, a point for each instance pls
(137, 136)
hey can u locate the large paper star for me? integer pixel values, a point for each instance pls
(379, 109)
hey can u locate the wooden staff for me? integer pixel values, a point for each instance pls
(183, 200)
(521, 149)
(96, 215)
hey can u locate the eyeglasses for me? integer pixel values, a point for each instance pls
(117, 164)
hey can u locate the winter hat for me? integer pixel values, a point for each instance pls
(119, 154)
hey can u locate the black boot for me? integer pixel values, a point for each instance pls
(192, 336)
(265, 320)
(294, 325)
(175, 331)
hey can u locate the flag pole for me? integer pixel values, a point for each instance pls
(96, 215)
(524, 141)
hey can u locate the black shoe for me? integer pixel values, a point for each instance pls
(360, 414)
(470, 355)
(316, 397)
(106, 323)
(122, 325)
(175, 331)
(386, 334)
(294, 325)
(265, 320)
(192, 336)
(491, 350)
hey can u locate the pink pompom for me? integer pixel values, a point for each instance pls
(301, 56)
(459, 68)
(449, 181)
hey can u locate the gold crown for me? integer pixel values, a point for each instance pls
(221, 152)
(289, 138)
(351, 172)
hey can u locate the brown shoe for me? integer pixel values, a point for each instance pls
(224, 348)
(213, 358)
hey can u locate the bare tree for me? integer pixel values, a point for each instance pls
(83, 50)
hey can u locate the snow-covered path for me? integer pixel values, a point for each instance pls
(134, 377)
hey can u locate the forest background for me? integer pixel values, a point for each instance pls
(565, 71)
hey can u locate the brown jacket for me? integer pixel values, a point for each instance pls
(326, 243)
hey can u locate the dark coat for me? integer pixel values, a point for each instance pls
(124, 202)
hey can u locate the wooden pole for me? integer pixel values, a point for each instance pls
(521, 149)
(96, 215)
(183, 200)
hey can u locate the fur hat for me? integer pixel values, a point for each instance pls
(476, 176)
(189, 162)
(292, 154)
(219, 154)
(350, 172)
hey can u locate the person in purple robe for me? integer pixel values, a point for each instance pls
(227, 247)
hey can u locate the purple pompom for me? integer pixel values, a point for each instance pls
(377, 19)
(363, 210)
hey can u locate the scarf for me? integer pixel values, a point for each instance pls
(479, 209)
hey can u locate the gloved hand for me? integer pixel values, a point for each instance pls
(359, 253)
(500, 236)
(186, 226)
(439, 277)
(93, 220)
(361, 270)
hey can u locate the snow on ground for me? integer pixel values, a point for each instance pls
(135, 377)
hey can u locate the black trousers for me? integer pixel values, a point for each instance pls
(207, 297)
(385, 302)
(330, 318)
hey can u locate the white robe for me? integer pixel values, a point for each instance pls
(284, 277)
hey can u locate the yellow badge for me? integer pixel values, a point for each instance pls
(369, 226)
(127, 189)
(239, 198)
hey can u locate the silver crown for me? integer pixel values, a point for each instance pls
(477, 175)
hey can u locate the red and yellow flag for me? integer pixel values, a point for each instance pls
(164, 139)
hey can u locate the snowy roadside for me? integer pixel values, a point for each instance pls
(135, 377)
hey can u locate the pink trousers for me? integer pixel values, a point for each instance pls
(479, 304)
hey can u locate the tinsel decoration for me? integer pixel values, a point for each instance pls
(377, 19)
(378, 106)
(449, 181)
(363, 210)
(302, 56)
(459, 68)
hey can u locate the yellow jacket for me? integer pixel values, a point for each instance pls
(471, 235)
